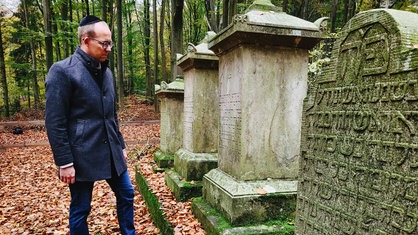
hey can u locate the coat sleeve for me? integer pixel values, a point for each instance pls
(58, 96)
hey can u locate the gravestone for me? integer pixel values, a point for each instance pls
(198, 154)
(263, 66)
(359, 154)
(171, 124)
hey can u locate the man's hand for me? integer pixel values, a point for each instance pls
(67, 175)
(125, 154)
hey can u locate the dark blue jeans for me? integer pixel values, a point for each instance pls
(81, 195)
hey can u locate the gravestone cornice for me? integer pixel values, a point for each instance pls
(403, 31)
(166, 89)
(395, 21)
(263, 27)
(198, 61)
(199, 57)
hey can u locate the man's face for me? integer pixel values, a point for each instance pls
(102, 39)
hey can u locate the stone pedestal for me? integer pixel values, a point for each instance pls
(201, 122)
(171, 127)
(263, 67)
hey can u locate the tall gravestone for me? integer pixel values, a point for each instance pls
(198, 154)
(171, 124)
(359, 156)
(263, 62)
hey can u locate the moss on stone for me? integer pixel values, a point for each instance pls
(215, 223)
(154, 206)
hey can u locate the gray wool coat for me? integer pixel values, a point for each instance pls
(80, 117)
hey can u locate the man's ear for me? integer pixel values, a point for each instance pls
(85, 40)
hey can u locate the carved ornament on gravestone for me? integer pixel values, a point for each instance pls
(359, 157)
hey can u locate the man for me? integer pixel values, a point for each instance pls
(83, 129)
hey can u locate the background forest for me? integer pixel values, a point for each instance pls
(147, 34)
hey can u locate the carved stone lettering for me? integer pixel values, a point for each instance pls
(231, 117)
(188, 119)
(359, 153)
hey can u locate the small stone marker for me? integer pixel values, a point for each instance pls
(171, 98)
(198, 154)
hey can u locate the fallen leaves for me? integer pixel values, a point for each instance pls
(261, 191)
(178, 213)
(34, 201)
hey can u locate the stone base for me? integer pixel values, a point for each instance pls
(246, 202)
(182, 190)
(164, 160)
(216, 224)
(193, 166)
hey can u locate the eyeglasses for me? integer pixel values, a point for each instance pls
(105, 44)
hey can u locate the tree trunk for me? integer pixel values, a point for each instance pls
(225, 11)
(108, 17)
(57, 42)
(48, 32)
(375, 4)
(177, 35)
(211, 15)
(346, 11)
(155, 36)
(351, 9)
(87, 7)
(232, 10)
(128, 11)
(119, 52)
(305, 9)
(34, 76)
(334, 15)
(197, 13)
(3, 74)
(285, 5)
(70, 10)
(104, 10)
(146, 44)
(162, 46)
(64, 15)
(33, 57)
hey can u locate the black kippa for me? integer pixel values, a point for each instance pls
(90, 19)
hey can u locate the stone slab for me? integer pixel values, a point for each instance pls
(242, 202)
(215, 224)
(193, 166)
(182, 190)
(164, 160)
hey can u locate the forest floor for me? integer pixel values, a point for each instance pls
(34, 201)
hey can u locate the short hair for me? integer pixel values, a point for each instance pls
(86, 29)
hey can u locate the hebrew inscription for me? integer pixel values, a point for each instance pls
(231, 118)
(359, 157)
(188, 120)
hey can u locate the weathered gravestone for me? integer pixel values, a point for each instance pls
(359, 151)
(171, 125)
(198, 154)
(263, 62)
